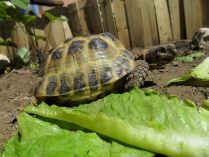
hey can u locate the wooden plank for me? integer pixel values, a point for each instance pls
(149, 25)
(146, 27)
(56, 33)
(66, 30)
(74, 20)
(163, 21)
(108, 17)
(77, 19)
(40, 32)
(8, 27)
(19, 35)
(134, 23)
(205, 8)
(153, 21)
(93, 17)
(174, 11)
(118, 8)
(193, 16)
(81, 14)
(3, 49)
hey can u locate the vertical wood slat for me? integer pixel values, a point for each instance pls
(119, 13)
(57, 32)
(153, 21)
(3, 49)
(149, 23)
(77, 19)
(19, 35)
(8, 27)
(39, 32)
(146, 27)
(81, 13)
(163, 21)
(134, 23)
(108, 17)
(93, 17)
(193, 16)
(174, 10)
(205, 9)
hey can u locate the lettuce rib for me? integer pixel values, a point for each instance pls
(145, 120)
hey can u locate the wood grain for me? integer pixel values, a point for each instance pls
(163, 21)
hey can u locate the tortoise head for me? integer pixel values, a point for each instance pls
(162, 54)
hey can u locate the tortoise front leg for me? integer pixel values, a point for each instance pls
(138, 75)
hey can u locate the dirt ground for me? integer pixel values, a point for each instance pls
(17, 88)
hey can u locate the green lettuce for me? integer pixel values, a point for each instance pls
(144, 119)
(199, 76)
(37, 138)
(190, 57)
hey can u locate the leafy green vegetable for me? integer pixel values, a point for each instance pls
(3, 11)
(53, 18)
(38, 138)
(199, 76)
(144, 119)
(23, 55)
(7, 43)
(9, 13)
(21, 3)
(191, 57)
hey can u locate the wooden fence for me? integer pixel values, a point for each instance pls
(137, 23)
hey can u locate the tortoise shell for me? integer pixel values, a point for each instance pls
(84, 68)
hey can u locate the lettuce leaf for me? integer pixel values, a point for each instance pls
(143, 119)
(190, 57)
(38, 138)
(199, 76)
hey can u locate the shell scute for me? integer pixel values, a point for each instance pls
(51, 85)
(79, 83)
(106, 74)
(76, 46)
(92, 78)
(64, 84)
(98, 44)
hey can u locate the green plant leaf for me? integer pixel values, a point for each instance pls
(21, 3)
(23, 55)
(143, 119)
(38, 138)
(3, 11)
(191, 57)
(15, 15)
(53, 18)
(7, 43)
(199, 76)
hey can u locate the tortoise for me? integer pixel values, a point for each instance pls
(86, 68)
